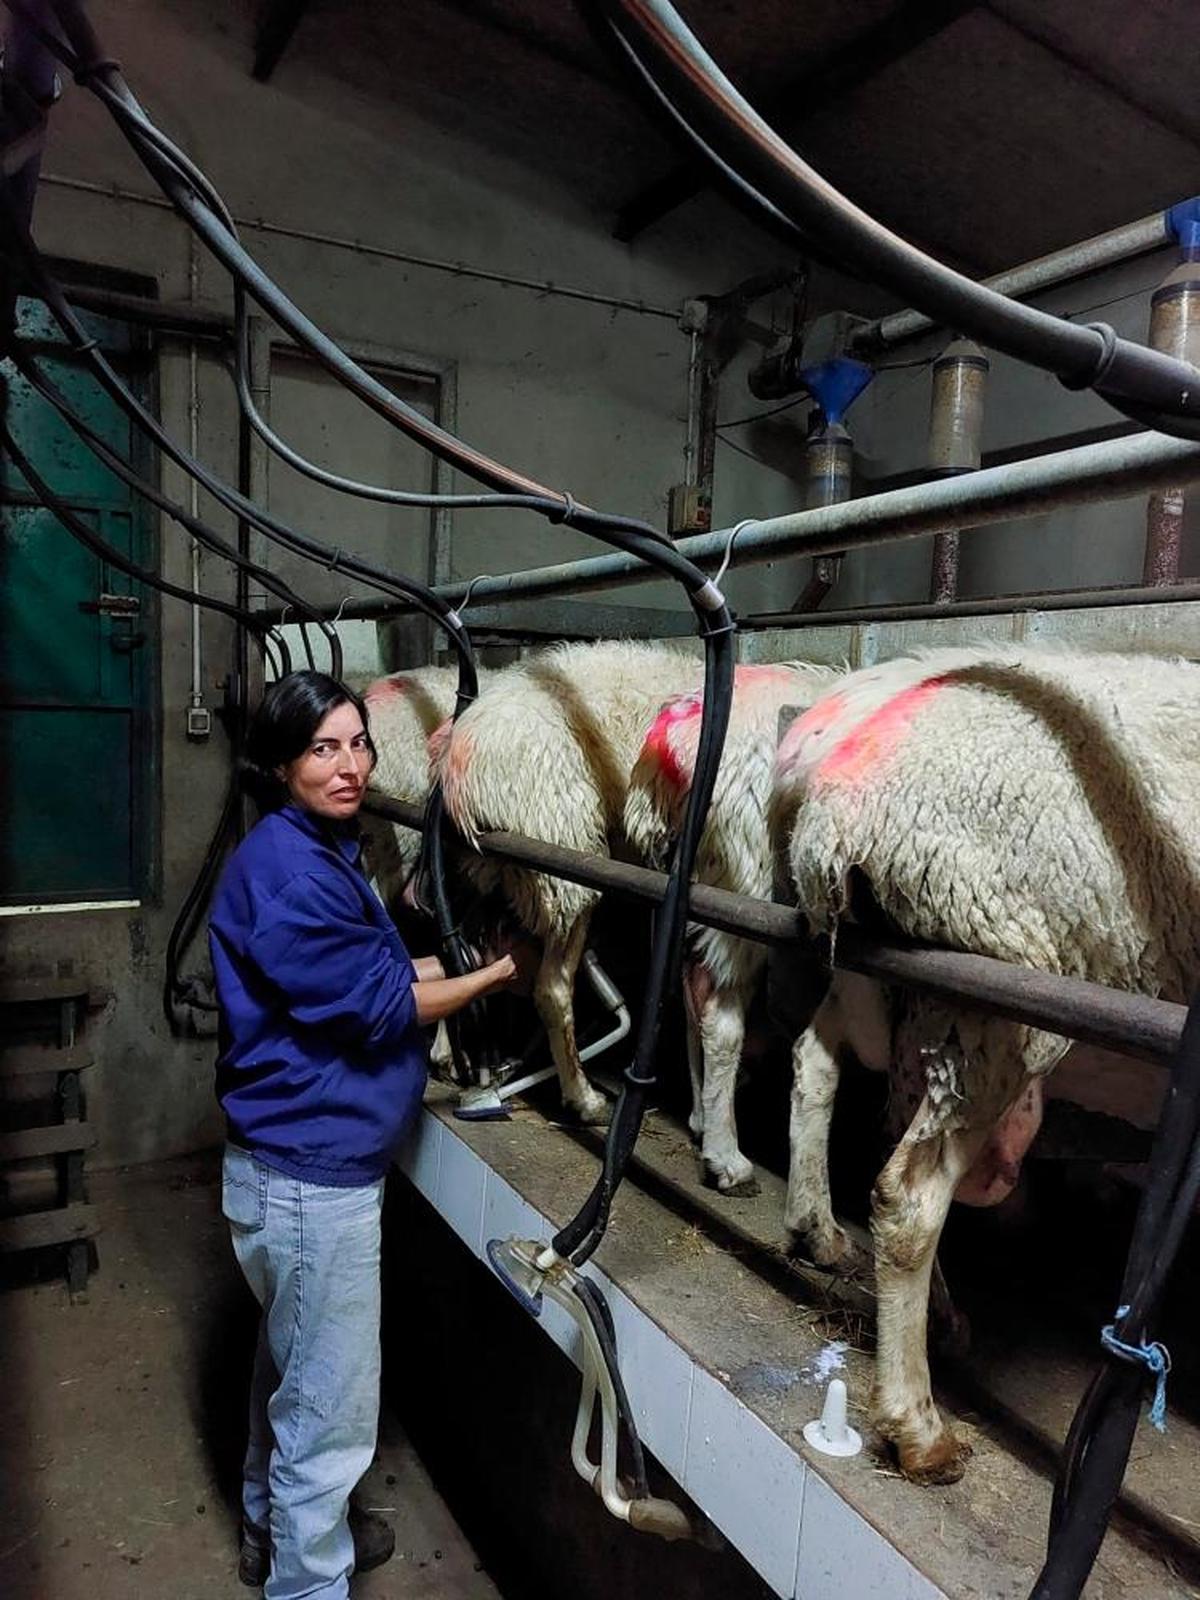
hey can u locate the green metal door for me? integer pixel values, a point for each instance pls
(77, 645)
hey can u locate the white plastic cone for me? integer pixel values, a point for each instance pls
(830, 1433)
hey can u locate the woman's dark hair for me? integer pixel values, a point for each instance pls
(282, 728)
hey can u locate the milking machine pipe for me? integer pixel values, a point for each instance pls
(1101, 1434)
(1151, 387)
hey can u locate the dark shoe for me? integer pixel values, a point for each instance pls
(374, 1543)
(254, 1558)
(374, 1539)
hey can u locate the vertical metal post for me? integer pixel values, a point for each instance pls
(254, 463)
(441, 527)
(955, 444)
(690, 502)
(1174, 329)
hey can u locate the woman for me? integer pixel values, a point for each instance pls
(321, 1069)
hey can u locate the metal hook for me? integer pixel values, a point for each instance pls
(466, 599)
(725, 559)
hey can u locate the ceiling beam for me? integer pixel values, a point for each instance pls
(822, 83)
(277, 22)
(1051, 39)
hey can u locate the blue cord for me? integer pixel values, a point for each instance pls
(1156, 1358)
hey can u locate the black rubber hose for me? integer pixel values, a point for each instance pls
(193, 206)
(408, 590)
(53, 395)
(717, 116)
(600, 1317)
(579, 1238)
(332, 480)
(79, 530)
(184, 927)
(1101, 1435)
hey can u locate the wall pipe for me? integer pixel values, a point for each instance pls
(1110, 470)
(196, 693)
(1133, 1024)
(1045, 272)
(333, 241)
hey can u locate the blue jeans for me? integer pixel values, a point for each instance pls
(310, 1253)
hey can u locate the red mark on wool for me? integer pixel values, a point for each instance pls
(658, 746)
(744, 677)
(876, 736)
(438, 742)
(385, 688)
(811, 724)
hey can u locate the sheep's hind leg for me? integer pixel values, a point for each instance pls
(553, 994)
(853, 1013)
(912, 1196)
(722, 1031)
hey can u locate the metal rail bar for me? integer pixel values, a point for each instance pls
(1082, 476)
(1045, 272)
(992, 606)
(1133, 1024)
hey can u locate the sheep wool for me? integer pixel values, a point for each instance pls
(721, 970)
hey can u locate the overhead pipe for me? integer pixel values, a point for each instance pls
(1109, 249)
(955, 444)
(30, 85)
(1112, 469)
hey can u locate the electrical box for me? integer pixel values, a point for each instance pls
(199, 722)
(689, 510)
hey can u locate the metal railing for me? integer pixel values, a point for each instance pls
(1131, 1024)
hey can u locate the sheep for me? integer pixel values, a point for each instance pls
(1035, 806)
(404, 709)
(721, 971)
(546, 751)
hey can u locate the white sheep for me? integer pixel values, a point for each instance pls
(546, 751)
(404, 710)
(721, 971)
(1035, 806)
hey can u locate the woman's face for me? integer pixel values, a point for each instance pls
(330, 777)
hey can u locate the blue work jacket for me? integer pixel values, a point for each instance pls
(322, 1061)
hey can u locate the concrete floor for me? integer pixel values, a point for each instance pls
(123, 1420)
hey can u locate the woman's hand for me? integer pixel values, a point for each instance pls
(442, 997)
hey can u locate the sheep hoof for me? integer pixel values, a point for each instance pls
(736, 1188)
(944, 1461)
(593, 1112)
(836, 1251)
